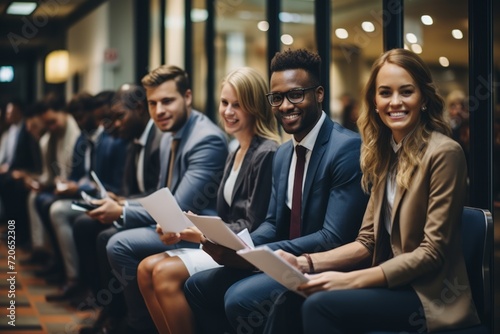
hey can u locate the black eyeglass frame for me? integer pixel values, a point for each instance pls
(269, 95)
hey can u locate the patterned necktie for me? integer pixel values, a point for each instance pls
(295, 220)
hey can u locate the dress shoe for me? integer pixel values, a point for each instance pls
(68, 291)
(38, 257)
(50, 269)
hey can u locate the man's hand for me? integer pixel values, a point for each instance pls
(66, 188)
(225, 256)
(107, 212)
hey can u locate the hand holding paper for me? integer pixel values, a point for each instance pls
(274, 266)
(163, 207)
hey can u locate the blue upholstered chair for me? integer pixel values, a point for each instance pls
(477, 240)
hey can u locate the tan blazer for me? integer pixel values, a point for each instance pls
(425, 237)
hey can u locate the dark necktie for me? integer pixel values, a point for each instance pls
(295, 221)
(171, 163)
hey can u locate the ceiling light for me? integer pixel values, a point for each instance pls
(444, 61)
(263, 26)
(457, 34)
(286, 39)
(199, 15)
(427, 20)
(416, 48)
(341, 33)
(368, 26)
(21, 8)
(411, 38)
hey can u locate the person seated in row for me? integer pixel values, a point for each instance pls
(95, 150)
(316, 201)
(405, 270)
(19, 155)
(243, 198)
(130, 121)
(193, 151)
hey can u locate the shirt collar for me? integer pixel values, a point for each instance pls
(310, 139)
(144, 136)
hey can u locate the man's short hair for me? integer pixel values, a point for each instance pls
(166, 73)
(132, 97)
(298, 59)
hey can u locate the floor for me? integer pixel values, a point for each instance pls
(33, 315)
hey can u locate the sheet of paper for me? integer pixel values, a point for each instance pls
(102, 191)
(266, 260)
(217, 231)
(163, 207)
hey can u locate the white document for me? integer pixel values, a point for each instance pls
(163, 207)
(273, 265)
(218, 232)
(100, 187)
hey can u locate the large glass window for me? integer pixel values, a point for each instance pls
(357, 36)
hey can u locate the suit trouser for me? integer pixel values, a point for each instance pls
(14, 195)
(126, 249)
(91, 238)
(231, 300)
(360, 310)
(62, 218)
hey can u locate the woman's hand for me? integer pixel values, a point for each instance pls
(327, 281)
(192, 234)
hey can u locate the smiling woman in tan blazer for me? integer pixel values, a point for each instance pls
(405, 270)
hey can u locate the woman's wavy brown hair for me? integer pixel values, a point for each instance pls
(375, 157)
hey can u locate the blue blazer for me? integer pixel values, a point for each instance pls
(198, 169)
(333, 202)
(108, 161)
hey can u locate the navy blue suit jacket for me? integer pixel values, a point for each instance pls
(108, 162)
(198, 169)
(333, 202)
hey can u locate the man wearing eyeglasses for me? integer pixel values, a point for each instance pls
(316, 202)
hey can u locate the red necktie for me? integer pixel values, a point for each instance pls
(295, 220)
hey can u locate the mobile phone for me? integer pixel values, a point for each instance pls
(83, 206)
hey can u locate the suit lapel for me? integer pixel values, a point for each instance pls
(283, 181)
(316, 156)
(245, 164)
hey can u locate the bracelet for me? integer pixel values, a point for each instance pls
(310, 262)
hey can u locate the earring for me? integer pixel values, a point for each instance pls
(424, 108)
(376, 110)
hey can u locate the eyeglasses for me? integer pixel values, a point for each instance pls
(294, 96)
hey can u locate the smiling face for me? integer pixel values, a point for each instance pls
(398, 100)
(297, 119)
(167, 107)
(235, 119)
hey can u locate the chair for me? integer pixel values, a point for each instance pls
(477, 244)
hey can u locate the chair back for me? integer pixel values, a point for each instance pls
(477, 246)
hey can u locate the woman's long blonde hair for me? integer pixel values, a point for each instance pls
(376, 148)
(251, 91)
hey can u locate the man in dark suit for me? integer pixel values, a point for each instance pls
(19, 154)
(320, 209)
(95, 150)
(193, 152)
(130, 120)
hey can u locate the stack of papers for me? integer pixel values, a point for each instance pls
(277, 268)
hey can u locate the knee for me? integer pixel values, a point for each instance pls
(115, 249)
(168, 278)
(56, 211)
(144, 272)
(313, 305)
